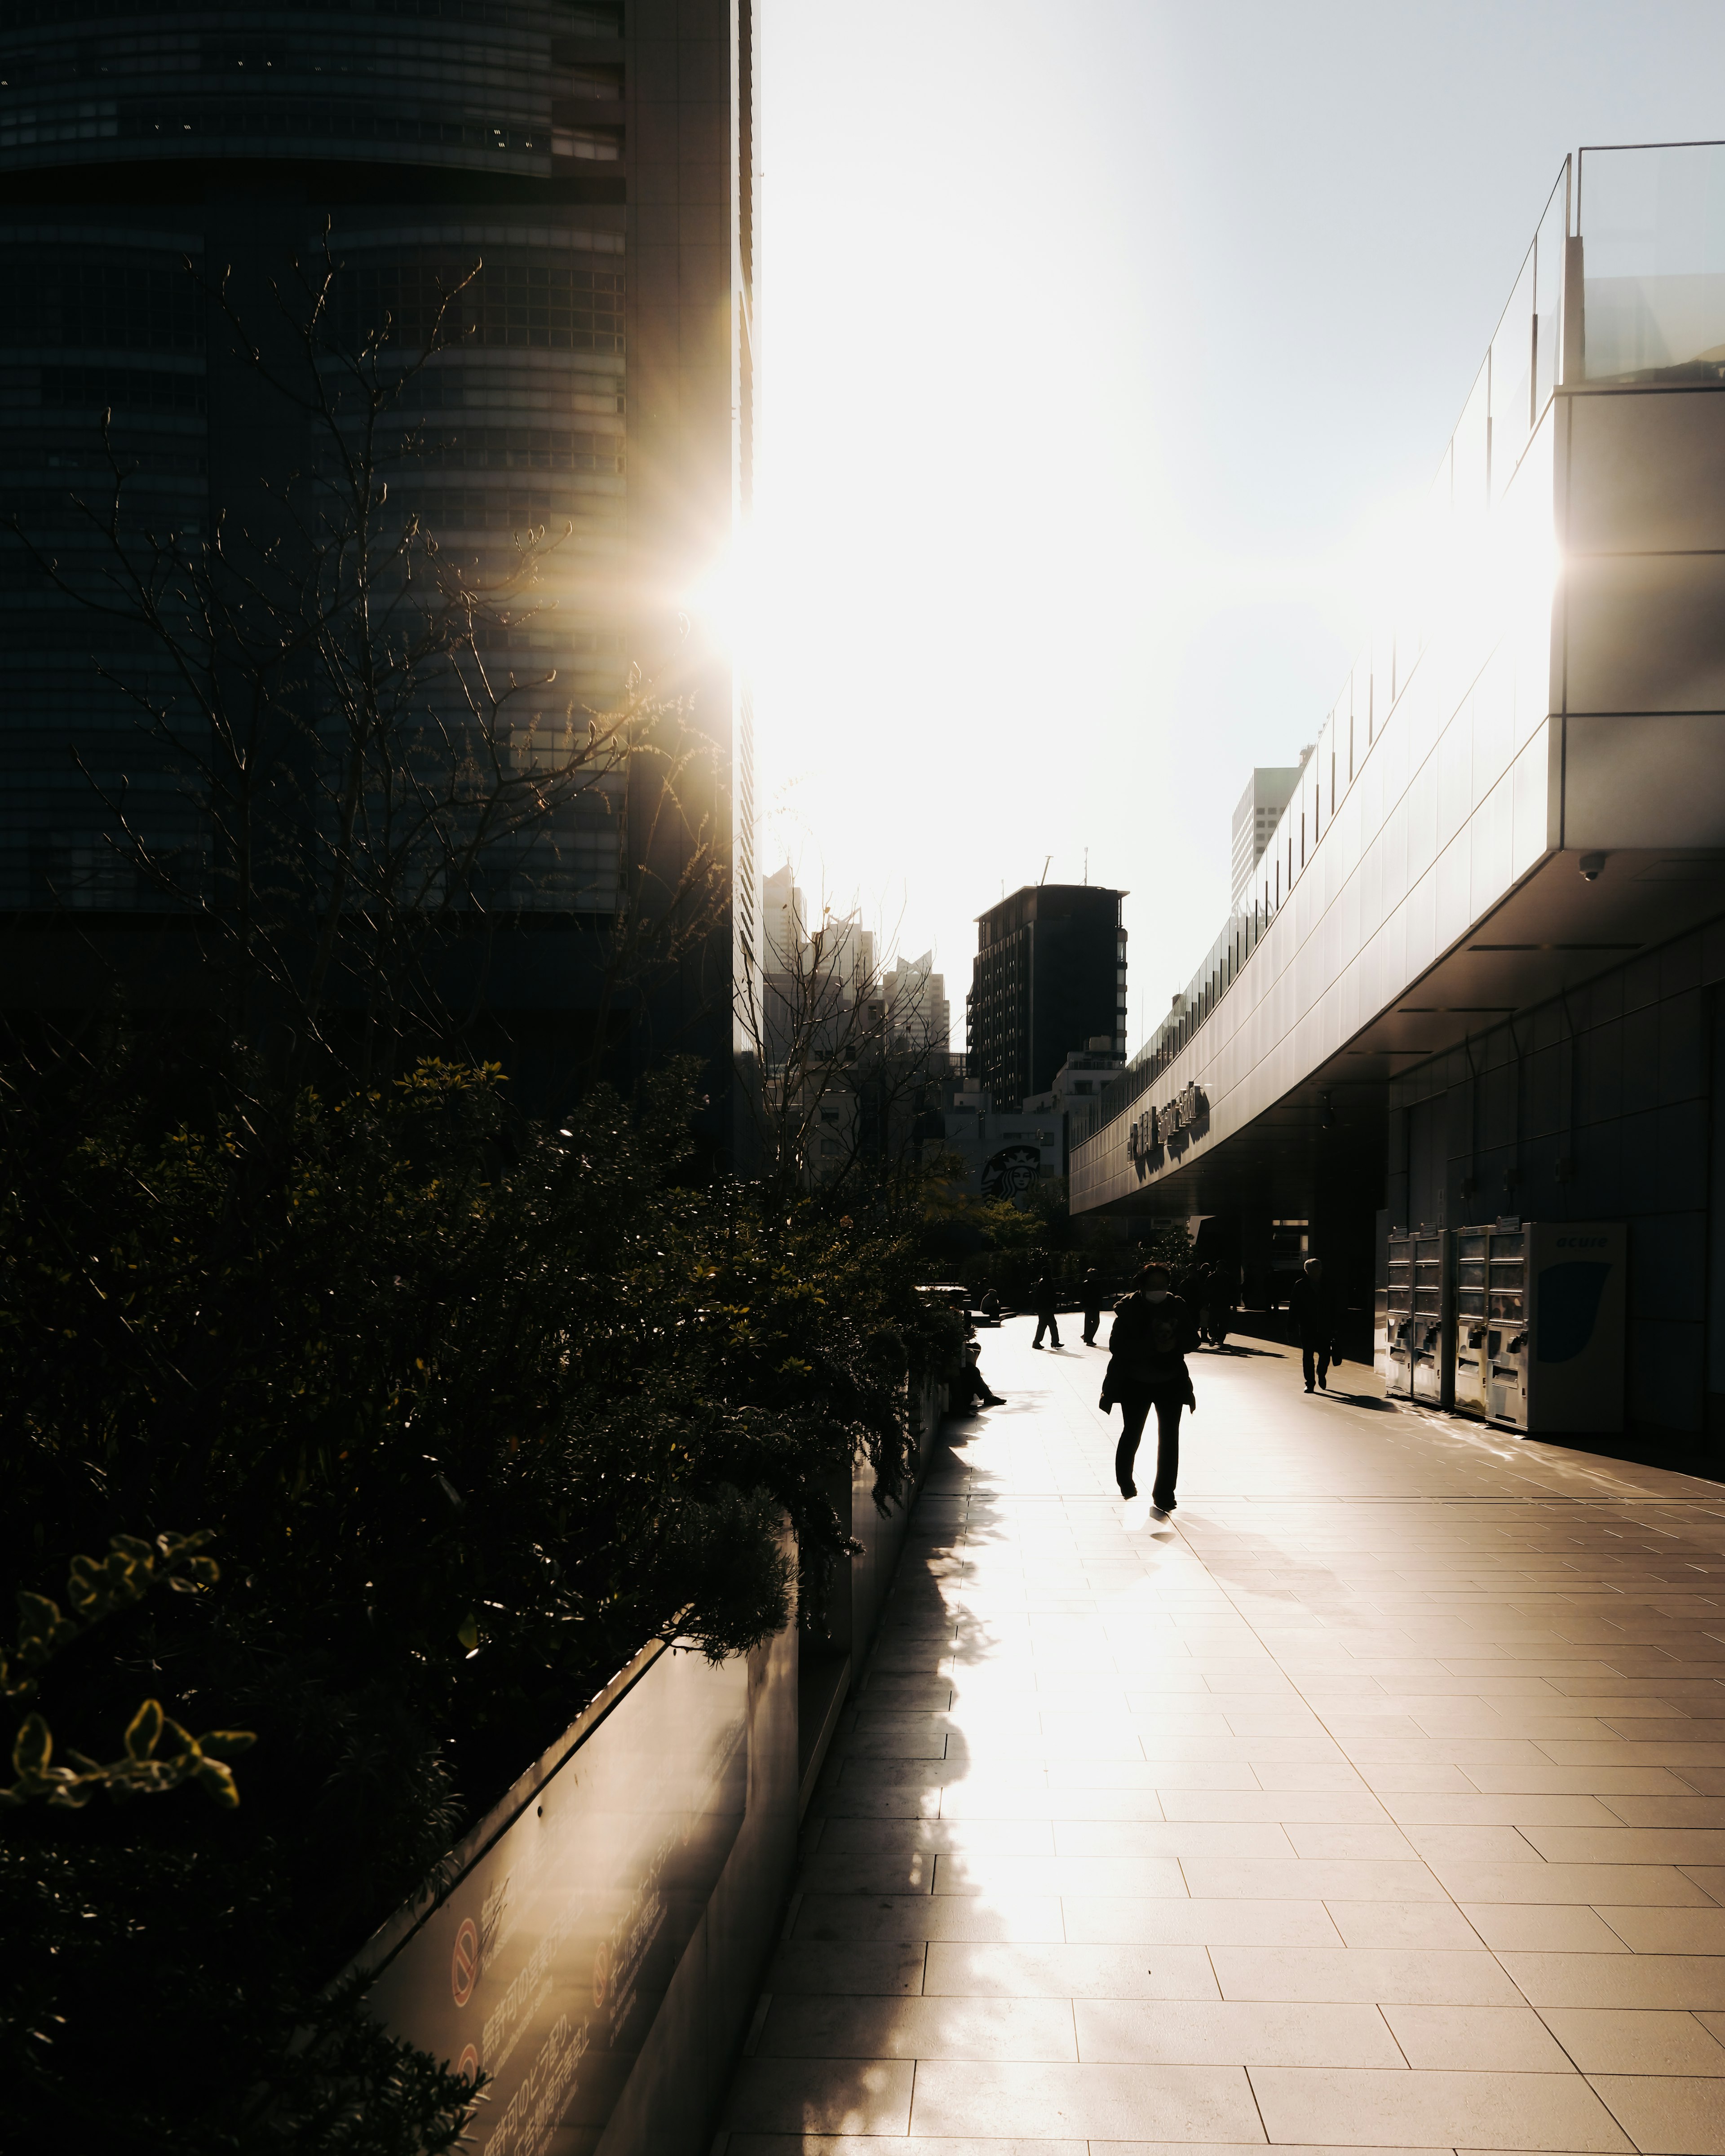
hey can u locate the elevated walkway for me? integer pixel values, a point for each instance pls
(1376, 1800)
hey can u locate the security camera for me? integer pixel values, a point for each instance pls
(1591, 865)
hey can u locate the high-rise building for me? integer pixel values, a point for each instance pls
(588, 166)
(1048, 976)
(918, 1015)
(1256, 817)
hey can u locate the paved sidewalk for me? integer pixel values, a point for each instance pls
(1375, 1800)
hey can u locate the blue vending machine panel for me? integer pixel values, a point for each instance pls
(1577, 1304)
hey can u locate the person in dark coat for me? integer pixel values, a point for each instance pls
(990, 1308)
(972, 1390)
(1092, 1292)
(1042, 1295)
(1312, 1303)
(1147, 1368)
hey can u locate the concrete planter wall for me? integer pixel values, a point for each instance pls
(604, 1936)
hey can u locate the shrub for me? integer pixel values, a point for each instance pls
(470, 1408)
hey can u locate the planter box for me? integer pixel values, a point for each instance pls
(603, 1939)
(609, 1921)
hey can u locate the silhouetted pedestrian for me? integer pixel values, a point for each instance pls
(1043, 1296)
(1147, 1368)
(972, 1390)
(1312, 1304)
(1092, 1293)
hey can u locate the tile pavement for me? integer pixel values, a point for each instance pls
(1375, 1801)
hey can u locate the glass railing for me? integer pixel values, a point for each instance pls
(1522, 366)
(1651, 222)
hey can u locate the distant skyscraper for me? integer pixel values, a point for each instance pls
(1256, 817)
(593, 166)
(1048, 976)
(918, 1015)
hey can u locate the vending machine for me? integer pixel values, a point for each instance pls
(1394, 1356)
(1539, 1325)
(1473, 1247)
(1578, 1308)
(1430, 1370)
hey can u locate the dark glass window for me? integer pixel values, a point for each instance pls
(119, 306)
(544, 301)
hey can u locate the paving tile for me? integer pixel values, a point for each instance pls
(1648, 1886)
(1438, 1924)
(821, 2096)
(1544, 1928)
(1489, 2039)
(1340, 2108)
(1242, 1922)
(1107, 2103)
(1068, 1972)
(1511, 1808)
(1178, 1839)
(1233, 2033)
(1444, 1977)
(1695, 1982)
(1333, 1880)
(1666, 2115)
(907, 1916)
(888, 1968)
(1621, 2040)
(830, 2027)
(916, 2145)
(1669, 1930)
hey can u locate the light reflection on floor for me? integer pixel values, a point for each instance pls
(1375, 1799)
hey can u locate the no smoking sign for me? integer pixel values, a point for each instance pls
(465, 1962)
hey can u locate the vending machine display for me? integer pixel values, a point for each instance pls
(1396, 1359)
(1473, 1259)
(1428, 1338)
(1577, 1312)
(1539, 1325)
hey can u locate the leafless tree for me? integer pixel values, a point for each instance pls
(845, 1071)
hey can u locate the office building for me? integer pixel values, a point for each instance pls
(1256, 817)
(919, 1017)
(590, 169)
(1048, 976)
(1479, 970)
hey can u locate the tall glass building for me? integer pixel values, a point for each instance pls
(590, 169)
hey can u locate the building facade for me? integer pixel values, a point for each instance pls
(1256, 816)
(1048, 976)
(583, 178)
(1479, 970)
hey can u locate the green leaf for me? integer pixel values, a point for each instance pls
(32, 1748)
(41, 1627)
(468, 1635)
(217, 1782)
(227, 1743)
(143, 1732)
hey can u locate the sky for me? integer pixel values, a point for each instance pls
(1106, 345)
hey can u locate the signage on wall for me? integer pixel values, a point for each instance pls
(1168, 1128)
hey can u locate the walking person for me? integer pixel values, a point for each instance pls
(1311, 1302)
(1147, 1368)
(1092, 1289)
(1042, 1295)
